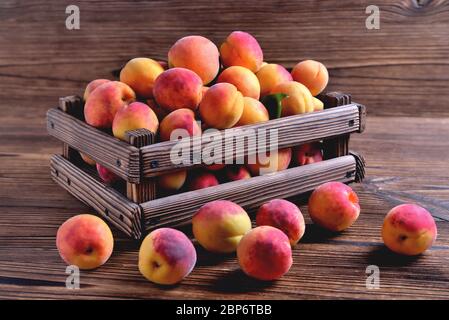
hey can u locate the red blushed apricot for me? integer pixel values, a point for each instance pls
(91, 86)
(273, 162)
(85, 241)
(270, 75)
(166, 256)
(106, 175)
(198, 54)
(236, 172)
(243, 79)
(104, 102)
(181, 119)
(136, 115)
(241, 49)
(222, 106)
(409, 229)
(87, 159)
(285, 216)
(200, 179)
(219, 225)
(178, 88)
(253, 112)
(312, 74)
(140, 74)
(172, 181)
(334, 206)
(299, 99)
(307, 153)
(265, 253)
(215, 167)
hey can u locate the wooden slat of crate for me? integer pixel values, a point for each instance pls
(118, 156)
(110, 204)
(178, 209)
(292, 131)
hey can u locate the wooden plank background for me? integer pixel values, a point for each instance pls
(400, 72)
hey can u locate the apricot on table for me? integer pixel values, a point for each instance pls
(85, 241)
(334, 206)
(166, 256)
(285, 216)
(409, 229)
(219, 225)
(265, 253)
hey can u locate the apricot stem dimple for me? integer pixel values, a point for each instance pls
(402, 238)
(89, 250)
(155, 264)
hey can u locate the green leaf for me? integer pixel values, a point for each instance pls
(273, 104)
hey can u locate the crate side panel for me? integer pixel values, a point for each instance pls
(249, 193)
(110, 204)
(120, 157)
(291, 131)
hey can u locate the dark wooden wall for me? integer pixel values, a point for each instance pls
(401, 69)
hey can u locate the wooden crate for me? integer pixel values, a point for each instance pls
(133, 206)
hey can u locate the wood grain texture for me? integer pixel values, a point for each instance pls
(401, 70)
(325, 266)
(110, 204)
(119, 157)
(135, 221)
(146, 189)
(237, 143)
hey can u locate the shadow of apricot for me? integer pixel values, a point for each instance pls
(383, 257)
(126, 245)
(236, 281)
(314, 233)
(205, 258)
(167, 287)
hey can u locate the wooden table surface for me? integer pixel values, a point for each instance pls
(400, 72)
